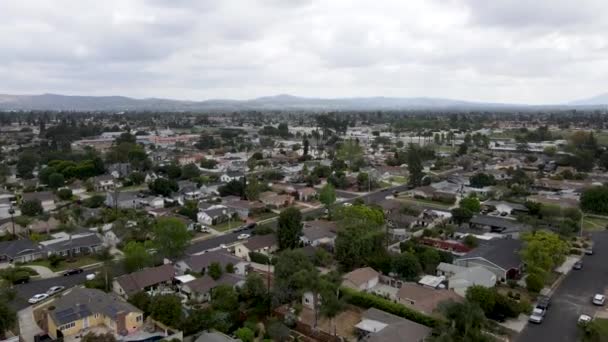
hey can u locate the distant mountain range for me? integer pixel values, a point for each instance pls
(278, 102)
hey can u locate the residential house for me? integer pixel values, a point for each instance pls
(496, 224)
(275, 201)
(201, 288)
(231, 175)
(319, 232)
(84, 308)
(424, 299)
(104, 183)
(362, 279)
(78, 188)
(307, 194)
(505, 207)
(200, 263)
(499, 256)
(17, 251)
(264, 244)
(71, 245)
(245, 209)
(123, 200)
(381, 326)
(144, 280)
(47, 199)
(215, 215)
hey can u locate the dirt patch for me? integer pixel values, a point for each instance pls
(341, 325)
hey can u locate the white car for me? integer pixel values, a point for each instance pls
(584, 319)
(347, 204)
(243, 236)
(38, 298)
(55, 289)
(537, 315)
(599, 299)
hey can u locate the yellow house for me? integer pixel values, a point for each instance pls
(83, 308)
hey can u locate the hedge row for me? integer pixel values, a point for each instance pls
(369, 300)
(259, 258)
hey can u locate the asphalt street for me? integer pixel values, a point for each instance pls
(573, 298)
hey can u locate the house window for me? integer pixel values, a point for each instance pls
(139, 318)
(67, 326)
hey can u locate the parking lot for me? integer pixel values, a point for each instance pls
(573, 298)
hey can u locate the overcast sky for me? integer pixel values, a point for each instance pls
(540, 51)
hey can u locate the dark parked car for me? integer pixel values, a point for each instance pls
(543, 302)
(72, 272)
(578, 265)
(589, 251)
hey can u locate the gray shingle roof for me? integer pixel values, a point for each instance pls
(82, 302)
(502, 252)
(198, 262)
(75, 242)
(17, 248)
(137, 281)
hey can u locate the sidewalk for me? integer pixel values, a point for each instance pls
(28, 328)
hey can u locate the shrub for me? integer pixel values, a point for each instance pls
(368, 300)
(534, 282)
(575, 251)
(259, 258)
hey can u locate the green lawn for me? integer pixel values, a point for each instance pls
(423, 202)
(597, 330)
(594, 223)
(399, 179)
(222, 227)
(266, 216)
(64, 265)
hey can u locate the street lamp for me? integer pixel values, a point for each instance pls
(11, 211)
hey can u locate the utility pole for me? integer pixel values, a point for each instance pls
(11, 211)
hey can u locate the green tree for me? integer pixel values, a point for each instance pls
(414, 166)
(224, 298)
(351, 152)
(407, 266)
(429, 260)
(136, 257)
(31, 207)
(26, 163)
(190, 171)
(595, 200)
(163, 186)
(142, 301)
(483, 296)
(245, 334)
(543, 251)
(465, 323)
(64, 194)
(137, 178)
(215, 270)
(56, 180)
(461, 215)
(253, 189)
(167, 309)
(480, 180)
(8, 317)
(471, 204)
(471, 241)
(171, 237)
(327, 196)
(232, 188)
(535, 282)
(287, 286)
(289, 228)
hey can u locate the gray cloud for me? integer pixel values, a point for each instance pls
(536, 52)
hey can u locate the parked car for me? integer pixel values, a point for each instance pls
(578, 265)
(243, 236)
(543, 303)
(251, 225)
(584, 319)
(72, 271)
(537, 315)
(599, 299)
(90, 276)
(55, 289)
(589, 251)
(38, 298)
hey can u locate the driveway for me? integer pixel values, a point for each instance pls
(27, 325)
(573, 298)
(43, 272)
